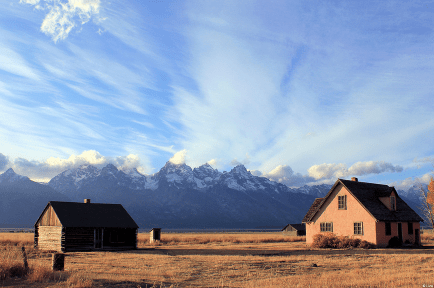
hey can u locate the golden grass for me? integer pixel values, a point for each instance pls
(235, 260)
(206, 238)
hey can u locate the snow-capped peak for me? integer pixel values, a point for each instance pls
(10, 176)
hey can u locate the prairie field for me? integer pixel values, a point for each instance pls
(219, 260)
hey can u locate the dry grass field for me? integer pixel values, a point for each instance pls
(220, 260)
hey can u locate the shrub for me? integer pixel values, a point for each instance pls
(330, 240)
(366, 245)
(11, 270)
(394, 242)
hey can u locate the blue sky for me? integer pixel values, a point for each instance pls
(301, 92)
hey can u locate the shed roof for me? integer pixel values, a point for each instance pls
(368, 194)
(73, 214)
(298, 227)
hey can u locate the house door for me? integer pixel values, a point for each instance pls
(400, 232)
(98, 236)
(416, 236)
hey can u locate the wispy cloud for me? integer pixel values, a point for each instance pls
(304, 87)
(62, 16)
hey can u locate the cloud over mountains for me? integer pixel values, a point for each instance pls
(317, 174)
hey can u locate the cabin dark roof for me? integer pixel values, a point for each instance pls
(298, 227)
(73, 214)
(368, 195)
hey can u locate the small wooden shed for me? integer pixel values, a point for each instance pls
(155, 235)
(72, 226)
(294, 230)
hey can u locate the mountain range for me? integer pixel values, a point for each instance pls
(175, 197)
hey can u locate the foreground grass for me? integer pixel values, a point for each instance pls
(229, 260)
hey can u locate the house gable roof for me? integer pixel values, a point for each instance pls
(73, 214)
(367, 194)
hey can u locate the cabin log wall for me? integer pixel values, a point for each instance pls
(49, 238)
(78, 239)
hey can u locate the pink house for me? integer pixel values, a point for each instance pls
(371, 212)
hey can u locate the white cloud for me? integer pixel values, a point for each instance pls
(62, 17)
(285, 175)
(4, 161)
(327, 171)
(45, 170)
(213, 162)
(31, 2)
(179, 157)
(412, 181)
(372, 167)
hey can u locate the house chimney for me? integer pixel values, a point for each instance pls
(354, 179)
(87, 201)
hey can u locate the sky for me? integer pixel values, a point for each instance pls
(300, 92)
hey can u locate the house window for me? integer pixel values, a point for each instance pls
(388, 229)
(342, 202)
(358, 228)
(392, 203)
(410, 228)
(326, 226)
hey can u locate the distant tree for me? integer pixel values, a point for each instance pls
(427, 207)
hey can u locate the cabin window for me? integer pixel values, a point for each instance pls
(392, 203)
(342, 202)
(326, 226)
(358, 228)
(410, 228)
(388, 229)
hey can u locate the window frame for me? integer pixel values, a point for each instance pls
(326, 227)
(358, 228)
(342, 202)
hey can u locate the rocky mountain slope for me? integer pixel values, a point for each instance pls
(22, 200)
(177, 196)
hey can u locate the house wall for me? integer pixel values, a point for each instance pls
(383, 239)
(343, 220)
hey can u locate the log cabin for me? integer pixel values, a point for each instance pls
(368, 211)
(72, 226)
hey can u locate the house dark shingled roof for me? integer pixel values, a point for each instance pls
(73, 214)
(368, 195)
(312, 210)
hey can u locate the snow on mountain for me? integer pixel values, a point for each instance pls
(178, 176)
(9, 176)
(73, 179)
